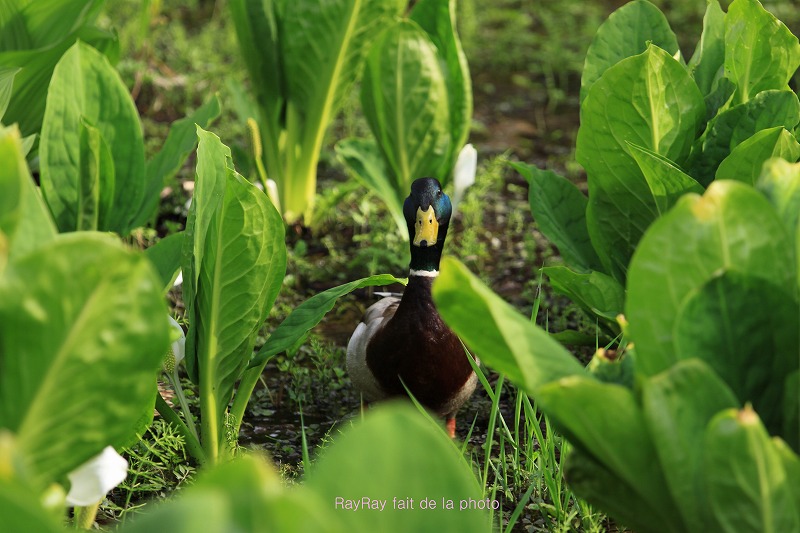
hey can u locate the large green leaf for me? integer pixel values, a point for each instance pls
(42, 31)
(627, 32)
(760, 51)
(768, 109)
(731, 227)
(648, 100)
(752, 351)
(20, 507)
(780, 182)
(23, 216)
(746, 482)
(499, 335)
(6, 84)
(709, 56)
(398, 457)
(323, 45)
(235, 259)
(246, 494)
(596, 293)
(80, 78)
(438, 19)
(95, 180)
(601, 487)
(181, 140)
(604, 421)
(678, 405)
(309, 313)
(83, 331)
(404, 97)
(666, 181)
(559, 209)
(746, 160)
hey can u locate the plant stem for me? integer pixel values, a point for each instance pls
(187, 414)
(191, 442)
(84, 516)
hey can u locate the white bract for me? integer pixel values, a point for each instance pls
(91, 481)
(464, 172)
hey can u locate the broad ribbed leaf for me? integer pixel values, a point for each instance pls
(760, 51)
(746, 160)
(678, 405)
(731, 227)
(423, 465)
(309, 313)
(95, 180)
(34, 37)
(6, 84)
(502, 338)
(438, 19)
(323, 44)
(23, 217)
(601, 487)
(769, 109)
(604, 421)
(709, 56)
(83, 331)
(666, 181)
(559, 209)
(180, 142)
(746, 482)
(404, 97)
(238, 271)
(648, 100)
(80, 78)
(626, 32)
(246, 494)
(752, 351)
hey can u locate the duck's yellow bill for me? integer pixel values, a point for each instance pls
(426, 228)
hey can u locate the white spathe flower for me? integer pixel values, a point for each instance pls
(178, 280)
(91, 481)
(179, 345)
(464, 172)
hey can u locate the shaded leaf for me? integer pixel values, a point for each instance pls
(95, 180)
(424, 464)
(666, 181)
(605, 422)
(166, 257)
(559, 209)
(82, 336)
(709, 55)
(745, 478)
(678, 405)
(80, 76)
(648, 100)
(404, 97)
(731, 227)
(780, 182)
(180, 142)
(596, 293)
(768, 109)
(746, 160)
(760, 51)
(497, 333)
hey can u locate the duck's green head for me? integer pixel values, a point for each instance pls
(427, 212)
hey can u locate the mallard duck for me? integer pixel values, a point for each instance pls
(403, 341)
